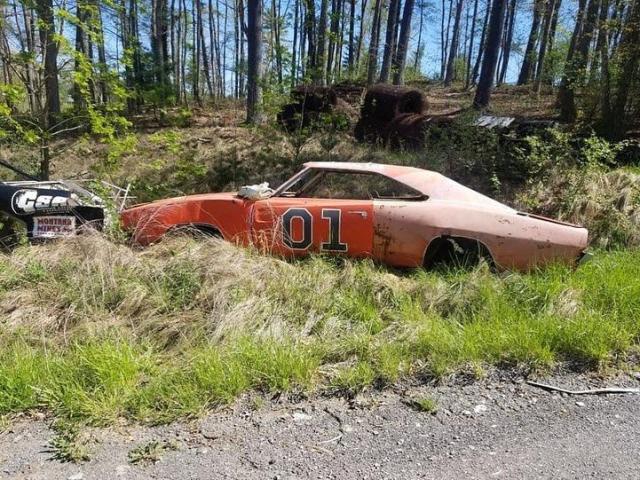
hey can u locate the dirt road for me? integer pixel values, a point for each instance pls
(492, 429)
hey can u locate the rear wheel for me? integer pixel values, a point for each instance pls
(456, 252)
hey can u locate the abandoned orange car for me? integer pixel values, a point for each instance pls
(400, 216)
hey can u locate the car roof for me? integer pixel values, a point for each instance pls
(385, 169)
(428, 182)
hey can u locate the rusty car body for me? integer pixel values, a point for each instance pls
(397, 215)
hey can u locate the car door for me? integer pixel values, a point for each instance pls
(299, 226)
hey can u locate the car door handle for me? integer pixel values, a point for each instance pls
(362, 213)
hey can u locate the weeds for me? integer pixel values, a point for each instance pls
(151, 452)
(424, 404)
(69, 444)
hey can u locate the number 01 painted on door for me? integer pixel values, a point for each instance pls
(331, 244)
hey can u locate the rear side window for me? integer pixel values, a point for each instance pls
(356, 186)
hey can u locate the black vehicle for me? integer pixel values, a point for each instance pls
(53, 209)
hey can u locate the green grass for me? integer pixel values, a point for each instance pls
(424, 404)
(95, 332)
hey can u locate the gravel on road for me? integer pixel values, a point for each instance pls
(494, 428)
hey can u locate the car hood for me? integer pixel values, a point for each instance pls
(188, 198)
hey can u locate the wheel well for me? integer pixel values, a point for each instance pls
(195, 230)
(456, 251)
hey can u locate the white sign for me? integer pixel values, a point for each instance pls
(54, 226)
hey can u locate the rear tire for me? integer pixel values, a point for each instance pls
(456, 252)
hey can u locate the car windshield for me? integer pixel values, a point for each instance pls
(340, 184)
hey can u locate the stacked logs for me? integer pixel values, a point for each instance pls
(390, 107)
(310, 103)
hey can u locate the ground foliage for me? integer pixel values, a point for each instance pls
(95, 331)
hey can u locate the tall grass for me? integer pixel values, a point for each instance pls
(94, 331)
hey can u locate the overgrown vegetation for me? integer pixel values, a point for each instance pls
(95, 332)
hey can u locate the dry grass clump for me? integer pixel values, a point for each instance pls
(209, 287)
(607, 202)
(90, 283)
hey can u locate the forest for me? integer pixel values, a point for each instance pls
(90, 66)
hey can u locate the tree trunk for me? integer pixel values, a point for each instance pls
(602, 50)
(336, 11)
(453, 51)
(223, 66)
(50, 48)
(254, 45)
(403, 43)
(176, 32)
(195, 74)
(506, 53)
(134, 47)
(278, 44)
(312, 50)
(214, 45)
(552, 36)
(474, 17)
(352, 23)
(35, 102)
(183, 49)
(617, 20)
(629, 53)
(303, 41)
(321, 63)
(483, 44)
(102, 56)
(340, 43)
(603, 32)
(389, 45)
(444, 38)
(373, 44)
(79, 102)
(550, 12)
(528, 63)
(203, 48)
(494, 36)
(576, 64)
(159, 40)
(564, 91)
(294, 52)
(243, 33)
(363, 9)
